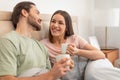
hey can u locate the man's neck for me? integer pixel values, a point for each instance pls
(23, 33)
(24, 30)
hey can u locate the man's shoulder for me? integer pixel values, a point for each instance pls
(11, 36)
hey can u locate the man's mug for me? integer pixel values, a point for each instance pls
(62, 56)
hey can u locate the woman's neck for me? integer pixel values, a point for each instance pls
(57, 41)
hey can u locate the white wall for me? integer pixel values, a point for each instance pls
(113, 32)
(80, 8)
(83, 9)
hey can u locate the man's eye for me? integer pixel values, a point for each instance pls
(53, 21)
(37, 12)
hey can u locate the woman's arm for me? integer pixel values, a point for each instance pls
(87, 51)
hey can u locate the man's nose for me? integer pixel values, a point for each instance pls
(40, 20)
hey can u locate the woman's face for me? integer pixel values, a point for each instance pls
(57, 26)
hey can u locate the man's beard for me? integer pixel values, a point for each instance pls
(34, 24)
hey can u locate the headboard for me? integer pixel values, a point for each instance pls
(6, 25)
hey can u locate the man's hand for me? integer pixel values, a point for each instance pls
(59, 69)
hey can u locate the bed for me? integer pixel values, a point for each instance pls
(114, 73)
(6, 25)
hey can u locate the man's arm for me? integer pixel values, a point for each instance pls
(56, 72)
(46, 76)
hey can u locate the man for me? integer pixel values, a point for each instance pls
(19, 53)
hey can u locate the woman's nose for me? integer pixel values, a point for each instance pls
(56, 24)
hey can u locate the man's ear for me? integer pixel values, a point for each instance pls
(24, 13)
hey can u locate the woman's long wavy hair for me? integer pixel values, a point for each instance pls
(68, 22)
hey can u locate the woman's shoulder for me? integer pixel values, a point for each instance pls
(44, 40)
(75, 37)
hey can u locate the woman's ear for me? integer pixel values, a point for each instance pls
(24, 13)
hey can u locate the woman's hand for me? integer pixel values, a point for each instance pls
(72, 50)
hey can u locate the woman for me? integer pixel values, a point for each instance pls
(61, 31)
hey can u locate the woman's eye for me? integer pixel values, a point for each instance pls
(61, 23)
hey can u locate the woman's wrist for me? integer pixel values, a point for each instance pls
(77, 52)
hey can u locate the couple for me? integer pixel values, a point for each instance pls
(19, 53)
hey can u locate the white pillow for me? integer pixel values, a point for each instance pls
(94, 42)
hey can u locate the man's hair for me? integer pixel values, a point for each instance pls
(17, 11)
(68, 21)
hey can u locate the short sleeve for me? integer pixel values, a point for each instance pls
(78, 41)
(8, 61)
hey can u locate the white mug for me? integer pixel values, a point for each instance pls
(62, 56)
